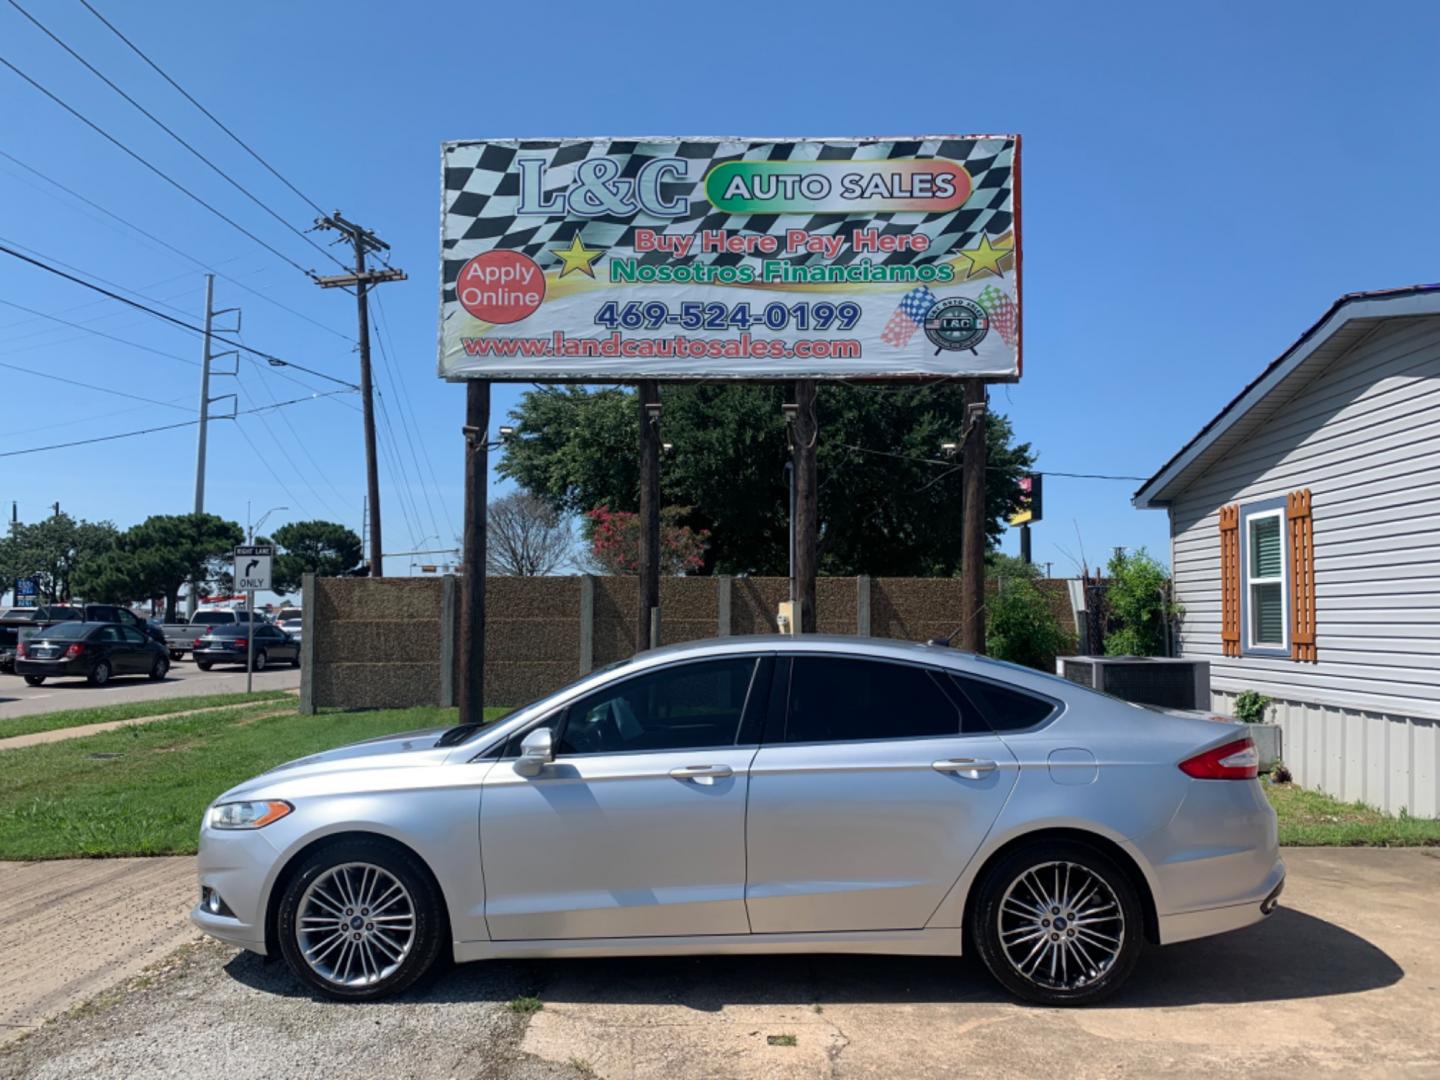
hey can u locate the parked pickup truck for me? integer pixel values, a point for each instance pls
(180, 638)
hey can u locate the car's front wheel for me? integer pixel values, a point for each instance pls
(361, 919)
(1058, 924)
(159, 669)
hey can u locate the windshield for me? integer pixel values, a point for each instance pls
(463, 732)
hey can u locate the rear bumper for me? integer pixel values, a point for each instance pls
(53, 668)
(1219, 920)
(221, 656)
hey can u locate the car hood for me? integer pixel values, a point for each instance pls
(409, 749)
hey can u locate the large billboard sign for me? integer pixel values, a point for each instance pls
(610, 260)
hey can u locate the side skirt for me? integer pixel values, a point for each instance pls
(933, 942)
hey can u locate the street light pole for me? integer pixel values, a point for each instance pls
(250, 599)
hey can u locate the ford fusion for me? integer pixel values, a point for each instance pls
(757, 795)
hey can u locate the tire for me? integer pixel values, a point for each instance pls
(295, 660)
(100, 673)
(1016, 936)
(260, 660)
(204, 665)
(159, 669)
(393, 961)
(34, 680)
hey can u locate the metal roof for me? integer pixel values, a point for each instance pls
(1348, 320)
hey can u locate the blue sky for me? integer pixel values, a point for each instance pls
(1200, 182)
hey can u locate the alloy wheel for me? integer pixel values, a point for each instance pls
(355, 925)
(1060, 926)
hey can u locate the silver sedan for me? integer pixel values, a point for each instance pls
(804, 795)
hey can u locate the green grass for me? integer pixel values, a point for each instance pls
(1312, 818)
(131, 710)
(141, 790)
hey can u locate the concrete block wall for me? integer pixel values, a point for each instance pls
(394, 642)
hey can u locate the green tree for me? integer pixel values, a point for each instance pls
(889, 500)
(313, 547)
(1020, 624)
(158, 556)
(1141, 614)
(52, 550)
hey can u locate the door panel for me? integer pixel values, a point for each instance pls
(876, 785)
(613, 845)
(866, 835)
(637, 828)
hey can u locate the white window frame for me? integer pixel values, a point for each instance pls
(1251, 580)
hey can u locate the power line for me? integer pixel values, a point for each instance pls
(269, 358)
(168, 131)
(153, 430)
(158, 172)
(268, 467)
(97, 333)
(990, 468)
(92, 386)
(170, 247)
(160, 71)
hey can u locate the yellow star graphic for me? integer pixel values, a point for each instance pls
(577, 257)
(985, 259)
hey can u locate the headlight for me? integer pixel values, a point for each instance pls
(248, 815)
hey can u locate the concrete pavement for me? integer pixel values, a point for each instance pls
(184, 680)
(74, 928)
(1343, 980)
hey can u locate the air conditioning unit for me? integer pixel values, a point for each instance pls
(1145, 680)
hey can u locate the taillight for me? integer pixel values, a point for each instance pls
(196, 642)
(75, 649)
(1238, 760)
(20, 650)
(241, 642)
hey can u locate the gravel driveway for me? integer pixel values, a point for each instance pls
(1344, 979)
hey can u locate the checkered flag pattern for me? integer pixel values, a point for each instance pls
(482, 190)
(908, 317)
(1003, 311)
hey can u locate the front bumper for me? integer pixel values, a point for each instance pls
(240, 866)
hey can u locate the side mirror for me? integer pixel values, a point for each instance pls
(536, 751)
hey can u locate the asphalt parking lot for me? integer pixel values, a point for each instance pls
(185, 680)
(1343, 980)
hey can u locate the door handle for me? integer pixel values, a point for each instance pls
(970, 768)
(695, 772)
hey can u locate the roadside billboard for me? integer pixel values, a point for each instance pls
(610, 260)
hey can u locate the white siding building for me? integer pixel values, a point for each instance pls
(1305, 546)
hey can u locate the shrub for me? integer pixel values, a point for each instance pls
(1251, 706)
(1139, 606)
(1020, 625)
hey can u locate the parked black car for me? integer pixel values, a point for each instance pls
(93, 651)
(9, 637)
(227, 645)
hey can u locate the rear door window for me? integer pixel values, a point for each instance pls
(846, 699)
(1006, 708)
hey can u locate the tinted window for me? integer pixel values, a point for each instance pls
(675, 708)
(834, 699)
(212, 618)
(108, 633)
(133, 636)
(1006, 708)
(68, 631)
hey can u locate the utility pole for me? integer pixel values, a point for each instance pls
(364, 242)
(807, 504)
(472, 557)
(647, 623)
(972, 521)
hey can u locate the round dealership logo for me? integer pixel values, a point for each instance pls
(959, 323)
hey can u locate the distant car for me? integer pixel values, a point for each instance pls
(181, 637)
(9, 638)
(291, 626)
(92, 651)
(228, 645)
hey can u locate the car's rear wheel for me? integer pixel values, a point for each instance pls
(160, 668)
(361, 919)
(295, 660)
(34, 680)
(1058, 924)
(260, 660)
(100, 674)
(204, 665)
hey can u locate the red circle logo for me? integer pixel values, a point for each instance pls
(500, 286)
